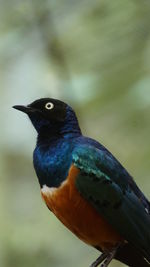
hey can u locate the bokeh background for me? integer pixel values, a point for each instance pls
(95, 55)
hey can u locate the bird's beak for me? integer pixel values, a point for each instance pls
(25, 109)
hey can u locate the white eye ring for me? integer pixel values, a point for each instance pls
(49, 105)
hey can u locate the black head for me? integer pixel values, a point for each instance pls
(50, 115)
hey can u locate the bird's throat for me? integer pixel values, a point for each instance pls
(52, 161)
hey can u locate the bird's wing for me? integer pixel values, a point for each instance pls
(116, 198)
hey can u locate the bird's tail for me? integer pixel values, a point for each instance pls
(131, 257)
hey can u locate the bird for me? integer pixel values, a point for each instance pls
(87, 188)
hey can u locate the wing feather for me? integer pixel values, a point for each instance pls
(105, 184)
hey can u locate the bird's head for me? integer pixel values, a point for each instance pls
(51, 116)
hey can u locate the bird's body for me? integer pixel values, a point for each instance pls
(78, 216)
(87, 188)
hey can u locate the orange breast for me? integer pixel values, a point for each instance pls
(78, 215)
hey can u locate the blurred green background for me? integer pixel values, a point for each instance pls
(95, 55)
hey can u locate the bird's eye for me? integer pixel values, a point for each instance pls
(49, 105)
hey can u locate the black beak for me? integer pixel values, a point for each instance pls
(25, 109)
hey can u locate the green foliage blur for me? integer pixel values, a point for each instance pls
(95, 55)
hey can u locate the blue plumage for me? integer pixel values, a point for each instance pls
(52, 160)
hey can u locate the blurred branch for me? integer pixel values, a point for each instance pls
(49, 37)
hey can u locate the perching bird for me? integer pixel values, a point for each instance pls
(87, 188)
